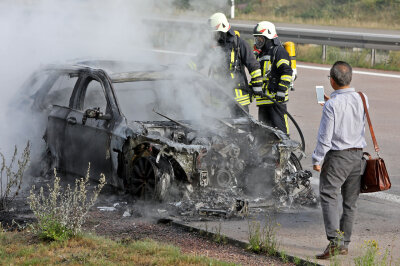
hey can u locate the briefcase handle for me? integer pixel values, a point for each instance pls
(371, 130)
(367, 154)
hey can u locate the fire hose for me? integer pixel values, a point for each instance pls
(280, 108)
(262, 94)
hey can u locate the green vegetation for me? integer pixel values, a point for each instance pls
(181, 4)
(335, 260)
(297, 260)
(385, 60)
(362, 13)
(22, 248)
(382, 14)
(61, 212)
(263, 239)
(372, 255)
(284, 257)
(11, 176)
(218, 237)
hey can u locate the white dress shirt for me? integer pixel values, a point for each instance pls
(342, 124)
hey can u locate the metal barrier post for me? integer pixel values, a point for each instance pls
(324, 53)
(233, 9)
(373, 53)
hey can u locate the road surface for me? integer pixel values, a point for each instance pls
(302, 232)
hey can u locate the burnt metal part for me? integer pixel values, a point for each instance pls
(159, 159)
(212, 212)
(239, 208)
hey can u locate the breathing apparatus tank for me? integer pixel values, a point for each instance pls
(290, 48)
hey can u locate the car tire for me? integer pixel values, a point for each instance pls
(294, 162)
(149, 180)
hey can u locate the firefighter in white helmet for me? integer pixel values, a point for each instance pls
(237, 54)
(277, 74)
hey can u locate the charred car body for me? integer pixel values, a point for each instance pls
(162, 132)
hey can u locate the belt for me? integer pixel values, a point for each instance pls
(353, 149)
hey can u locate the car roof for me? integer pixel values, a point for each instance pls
(115, 66)
(123, 71)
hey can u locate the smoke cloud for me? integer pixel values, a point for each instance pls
(36, 33)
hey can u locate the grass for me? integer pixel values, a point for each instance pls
(11, 175)
(382, 14)
(218, 237)
(60, 212)
(385, 60)
(378, 14)
(24, 248)
(263, 238)
(297, 260)
(372, 255)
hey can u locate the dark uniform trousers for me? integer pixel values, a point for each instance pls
(271, 115)
(277, 72)
(341, 172)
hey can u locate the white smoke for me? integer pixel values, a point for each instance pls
(35, 33)
(41, 32)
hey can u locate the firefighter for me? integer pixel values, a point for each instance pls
(277, 75)
(237, 54)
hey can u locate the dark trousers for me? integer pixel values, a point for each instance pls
(272, 116)
(341, 172)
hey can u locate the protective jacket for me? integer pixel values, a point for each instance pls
(276, 71)
(239, 54)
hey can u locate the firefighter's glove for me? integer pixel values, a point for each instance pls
(256, 85)
(280, 96)
(257, 90)
(256, 81)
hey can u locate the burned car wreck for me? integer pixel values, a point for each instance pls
(162, 133)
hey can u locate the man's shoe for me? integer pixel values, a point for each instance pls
(343, 250)
(331, 250)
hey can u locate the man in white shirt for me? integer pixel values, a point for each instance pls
(339, 144)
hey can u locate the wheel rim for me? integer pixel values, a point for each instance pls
(294, 163)
(143, 178)
(224, 179)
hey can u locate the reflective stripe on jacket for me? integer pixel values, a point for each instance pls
(276, 72)
(236, 64)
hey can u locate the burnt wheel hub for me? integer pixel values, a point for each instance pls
(142, 182)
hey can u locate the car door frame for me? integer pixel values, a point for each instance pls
(105, 129)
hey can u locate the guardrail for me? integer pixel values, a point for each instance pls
(306, 36)
(302, 35)
(332, 38)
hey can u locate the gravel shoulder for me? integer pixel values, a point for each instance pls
(112, 224)
(142, 224)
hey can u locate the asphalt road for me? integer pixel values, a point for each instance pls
(301, 232)
(383, 94)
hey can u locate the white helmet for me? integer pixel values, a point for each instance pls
(265, 28)
(218, 22)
